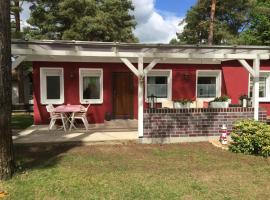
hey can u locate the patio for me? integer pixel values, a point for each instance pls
(116, 131)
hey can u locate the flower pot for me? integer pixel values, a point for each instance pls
(215, 104)
(108, 116)
(180, 105)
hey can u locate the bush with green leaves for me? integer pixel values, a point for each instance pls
(251, 137)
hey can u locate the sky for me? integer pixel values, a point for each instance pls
(157, 20)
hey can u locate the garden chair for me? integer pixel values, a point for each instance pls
(82, 115)
(54, 116)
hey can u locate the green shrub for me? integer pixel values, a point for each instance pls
(251, 137)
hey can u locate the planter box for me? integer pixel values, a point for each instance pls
(215, 104)
(180, 105)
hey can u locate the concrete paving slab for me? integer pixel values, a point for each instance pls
(41, 134)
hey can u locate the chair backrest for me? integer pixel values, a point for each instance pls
(85, 109)
(50, 109)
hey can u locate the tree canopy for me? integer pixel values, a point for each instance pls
(258, 30)
(92, 20)
(236, 22)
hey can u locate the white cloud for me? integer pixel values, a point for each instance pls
(154, 26)
(25, 15)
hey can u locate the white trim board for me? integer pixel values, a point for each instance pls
(161, 72)
(53, 71)
(210, 73)
(265, 73)
(90, 72)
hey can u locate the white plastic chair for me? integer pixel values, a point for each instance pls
(82, 115)
(56, 116)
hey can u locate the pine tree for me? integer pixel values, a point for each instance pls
(258, 30)
(212, 22)
(92, 20)
(231, 17)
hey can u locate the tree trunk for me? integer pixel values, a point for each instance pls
(17, 17)
(212, 22)
(20, 76)
(6, 145)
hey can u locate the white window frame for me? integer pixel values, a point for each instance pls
(265, 73)
(210, 73)
(161, 72)
(51, 71)
(90, 72)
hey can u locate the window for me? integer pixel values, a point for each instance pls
(264, 88)
(51, 85)
(208, 84)
(91, 86)
(159, 84)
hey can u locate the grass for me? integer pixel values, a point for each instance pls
(180, 171)
(21, 121)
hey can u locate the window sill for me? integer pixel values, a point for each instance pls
(205, 98)
(159, 100)
(264, 100)
(96, 101)
(46, 102)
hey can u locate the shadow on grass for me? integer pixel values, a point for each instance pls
(21, 121)
(39, 156)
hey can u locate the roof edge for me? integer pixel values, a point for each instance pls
(134, 45)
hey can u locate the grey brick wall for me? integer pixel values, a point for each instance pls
(192, 122)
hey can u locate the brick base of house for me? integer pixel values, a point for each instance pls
(194, 122)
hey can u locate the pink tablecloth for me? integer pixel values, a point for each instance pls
(68, 108)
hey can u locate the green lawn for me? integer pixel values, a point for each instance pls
(21, 121)
(133, 171)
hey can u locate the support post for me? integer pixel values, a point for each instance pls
(140, 96)
(256, 79)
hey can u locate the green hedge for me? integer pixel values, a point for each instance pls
(251, 137)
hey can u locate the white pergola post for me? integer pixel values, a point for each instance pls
(256, 79)
(140, 96)
(255, 73)
(140, 73)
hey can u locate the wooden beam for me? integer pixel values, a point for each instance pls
(87, 53)
(247, 66)
(130, 66)
(18, 61)
(151, 66)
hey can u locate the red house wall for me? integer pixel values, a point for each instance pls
(71, 89)
(236, 80)
(234, 83)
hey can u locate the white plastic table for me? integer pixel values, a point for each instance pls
(68, 110)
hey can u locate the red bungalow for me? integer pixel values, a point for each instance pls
(115, 78)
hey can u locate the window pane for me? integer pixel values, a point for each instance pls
(157, 86)
(206, 87)
(53, 87)
(151, 80)
(161, 80)
(91, 87)
(262, 87)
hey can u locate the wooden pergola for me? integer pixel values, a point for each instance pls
(135, 55)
